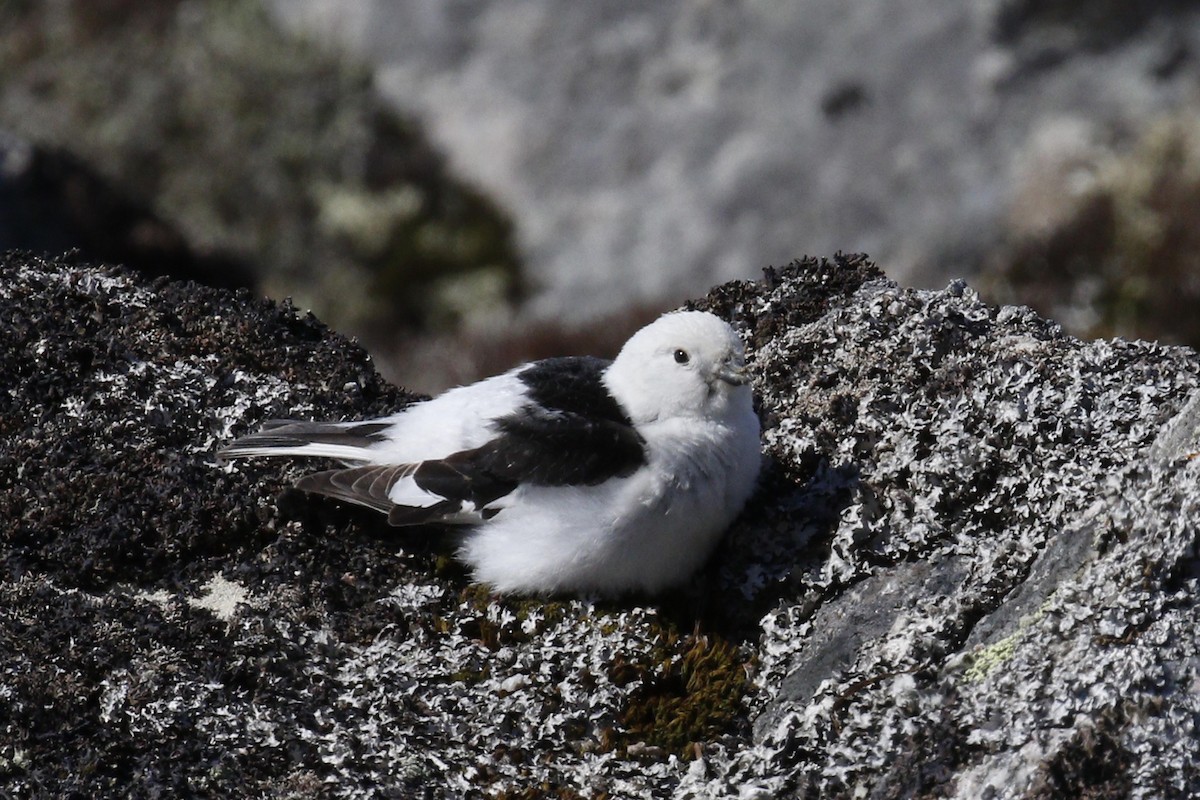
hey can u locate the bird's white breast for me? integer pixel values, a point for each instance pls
(643, 532)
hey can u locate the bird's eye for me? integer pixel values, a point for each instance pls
(681, 357)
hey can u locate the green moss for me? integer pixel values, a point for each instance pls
(690, 690)
(446, 567)
(478, 599)
(685, 689)
(476, 596)
(470, 676)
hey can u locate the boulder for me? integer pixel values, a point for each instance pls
(970, 569)
(676, 145)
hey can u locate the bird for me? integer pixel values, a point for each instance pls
(569, 475)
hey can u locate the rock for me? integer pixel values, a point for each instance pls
(680, 144)
(971, 569)
(979, 574)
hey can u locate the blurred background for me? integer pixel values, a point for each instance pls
(465, 185)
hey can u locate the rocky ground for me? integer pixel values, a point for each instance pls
(970, 570)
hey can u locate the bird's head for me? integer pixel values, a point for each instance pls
(686, 363)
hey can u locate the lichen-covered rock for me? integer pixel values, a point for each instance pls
(173, 625)
(978, 565)
(970, 569)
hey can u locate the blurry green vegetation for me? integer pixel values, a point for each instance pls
(1122, 258)
(257, 143)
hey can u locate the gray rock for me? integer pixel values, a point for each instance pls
(969, 570)
(1000, 605)
(1180, 438)
(649, 148)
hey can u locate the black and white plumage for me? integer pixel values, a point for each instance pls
(577, 474)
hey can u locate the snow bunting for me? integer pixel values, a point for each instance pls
(573, 474)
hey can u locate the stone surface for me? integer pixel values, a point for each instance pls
(999, 604)
(969, 571)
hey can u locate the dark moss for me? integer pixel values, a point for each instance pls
(689, 691)
(1094, 765)
(478, 598)
(547, 792)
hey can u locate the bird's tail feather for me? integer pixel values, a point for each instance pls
(345, 441)
(372, 485)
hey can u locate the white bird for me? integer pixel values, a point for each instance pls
(576, 474)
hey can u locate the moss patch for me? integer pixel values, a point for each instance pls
(689, 690)
(991, 657)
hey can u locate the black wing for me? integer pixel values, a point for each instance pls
(572, 433)
(284, 433)
(535, 446)
(367, 486)
(370, 485)
(557, 448)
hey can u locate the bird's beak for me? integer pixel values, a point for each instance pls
(734, 373)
